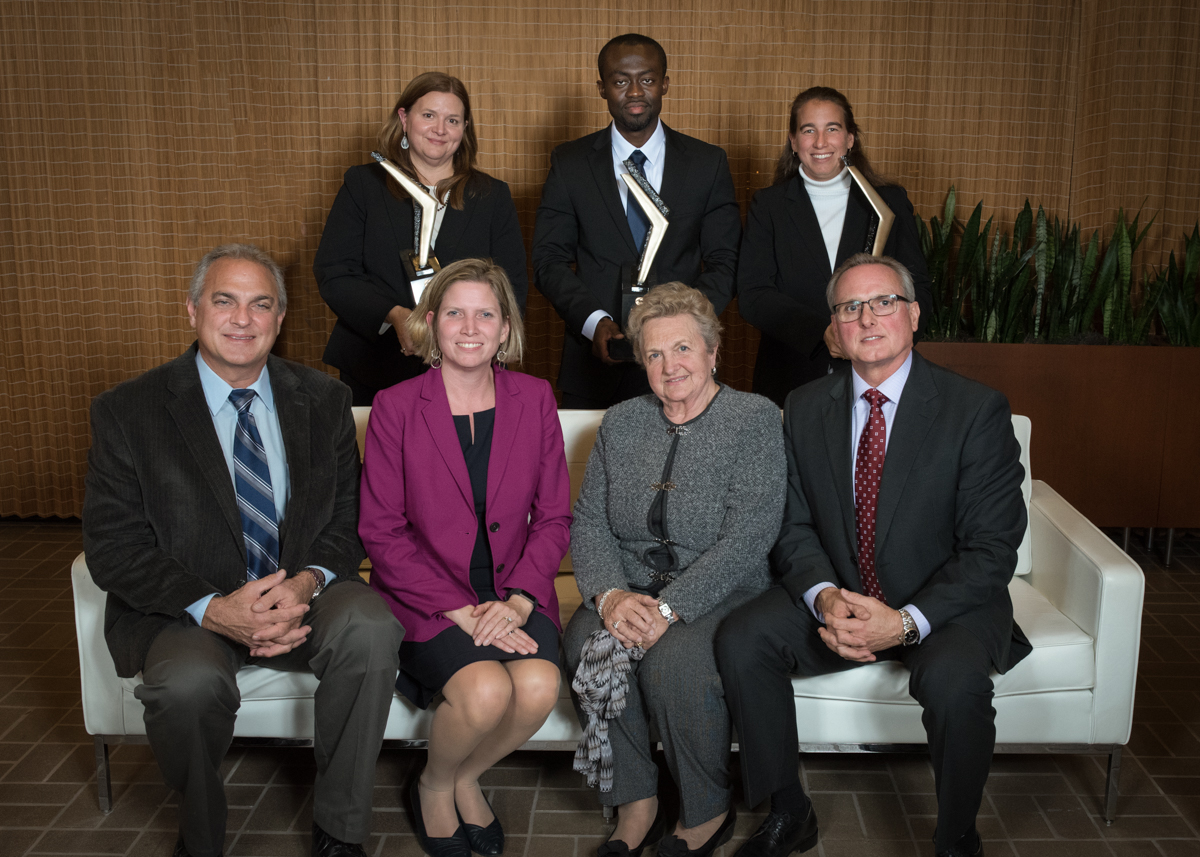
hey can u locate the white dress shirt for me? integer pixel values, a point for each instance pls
(892, 388)
(266, 418)
(655, 151)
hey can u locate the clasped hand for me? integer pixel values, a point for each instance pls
(498, 623)
(264, 615)
(857, 626)
(633, 618)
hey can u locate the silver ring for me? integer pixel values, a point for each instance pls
(513, 631)
(615, 624)
(508, 618)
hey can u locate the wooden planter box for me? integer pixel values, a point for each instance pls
(1116, 429)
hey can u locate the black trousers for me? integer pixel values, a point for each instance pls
(191, 699)
(764, 643)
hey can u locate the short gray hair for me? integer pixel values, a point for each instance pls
(243, 252)
(901, 272)
(666, 301)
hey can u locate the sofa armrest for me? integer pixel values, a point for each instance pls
(1098, 587)
(99, 683)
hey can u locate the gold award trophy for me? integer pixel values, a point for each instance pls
(419, 265)
(634, 278)
(881, 223)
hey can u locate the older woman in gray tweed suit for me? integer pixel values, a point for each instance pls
(681, 503)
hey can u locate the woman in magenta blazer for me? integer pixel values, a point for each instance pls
(466, 515)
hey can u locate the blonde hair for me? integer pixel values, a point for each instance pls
(671, 299)
(468, 271)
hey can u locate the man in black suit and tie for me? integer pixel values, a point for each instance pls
(221, 517)
(588, 225)
(904, 515)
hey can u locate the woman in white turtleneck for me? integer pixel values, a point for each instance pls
(801, 228)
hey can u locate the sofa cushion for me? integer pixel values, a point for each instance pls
(1062, 659)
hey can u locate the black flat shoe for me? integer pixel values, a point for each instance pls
(488, 841)
(970, 845)
(673, 846)
(781, 834)
(619, 848)
(455, 845)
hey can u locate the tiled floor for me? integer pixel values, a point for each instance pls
(868, 805)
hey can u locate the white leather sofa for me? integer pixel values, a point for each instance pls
(1076, 594)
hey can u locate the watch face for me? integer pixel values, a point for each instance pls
(664, 610)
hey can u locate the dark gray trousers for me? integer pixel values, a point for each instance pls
(675, 693)
(191, 697)
(764, 643)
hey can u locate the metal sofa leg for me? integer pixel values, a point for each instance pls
(103, 776)
(1111, 785)
(1125, 539)
(1170, 545)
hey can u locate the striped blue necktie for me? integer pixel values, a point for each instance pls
(639, 223)
(256, 500)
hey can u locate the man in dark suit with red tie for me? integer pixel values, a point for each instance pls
(588, 224)
(904, 515)
(221, 517)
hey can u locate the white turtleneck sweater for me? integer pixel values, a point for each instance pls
(829, 201)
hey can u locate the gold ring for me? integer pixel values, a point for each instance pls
(508, 618)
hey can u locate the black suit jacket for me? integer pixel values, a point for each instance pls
(161, 526)
(582, 238)
(784, 268)
(359, 270)
(950, 514)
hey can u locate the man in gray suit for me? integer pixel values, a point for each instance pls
(221, 517)
(904, 514)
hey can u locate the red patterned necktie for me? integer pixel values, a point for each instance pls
(868, 467)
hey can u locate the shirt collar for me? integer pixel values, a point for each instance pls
(216, 390)
(654, 149)
(892, 387)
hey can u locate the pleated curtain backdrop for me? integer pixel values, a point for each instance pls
(138, 135)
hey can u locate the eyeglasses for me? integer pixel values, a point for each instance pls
(881, 305)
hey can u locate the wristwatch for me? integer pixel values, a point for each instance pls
(667, 613)
(911, 634)
(318, 577)
(524, 595)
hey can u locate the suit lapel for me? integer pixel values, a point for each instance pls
(295, 424)
(914, 415)
(440, 424)
(454, 226)
(601, 162)
(808, 228)
(676, 167)
(190, 411)
(836, 427)
(854, 227)
(509, 411)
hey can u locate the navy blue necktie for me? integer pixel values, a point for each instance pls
(638, 222)
(256, 499)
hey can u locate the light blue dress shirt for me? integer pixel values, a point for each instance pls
(893, 387)
(655, 151)
(266, 417)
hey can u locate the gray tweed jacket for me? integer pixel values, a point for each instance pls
(724, 514)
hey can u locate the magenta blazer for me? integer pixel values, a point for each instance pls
(417, 518)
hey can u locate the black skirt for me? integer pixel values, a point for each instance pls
(426, 667)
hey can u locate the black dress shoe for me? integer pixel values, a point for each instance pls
(181, 849)
(619, 848)
(489, 840)
(455, 845)
(673, 846)
(970, 845)
(324, 845)
(781, 834)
